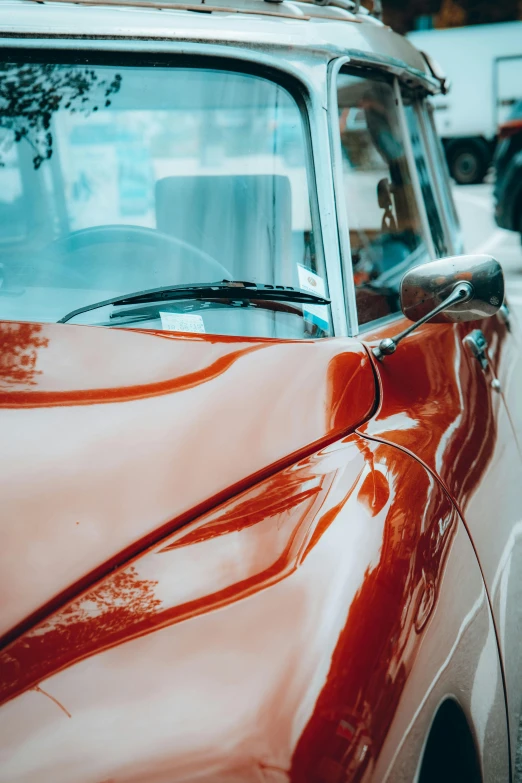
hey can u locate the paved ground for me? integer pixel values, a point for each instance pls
(481, 235)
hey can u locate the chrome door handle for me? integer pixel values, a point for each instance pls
(505, 316)
(477, 345)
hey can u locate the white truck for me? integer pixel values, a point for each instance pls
(483, 63)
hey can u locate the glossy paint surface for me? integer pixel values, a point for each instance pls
(438, 403)
(269, 640)
(206, 576)
(509, 368)
(111, 437)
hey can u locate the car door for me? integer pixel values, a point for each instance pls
(438, 401)
(504, 354)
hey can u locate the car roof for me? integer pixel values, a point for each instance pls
(306, 26)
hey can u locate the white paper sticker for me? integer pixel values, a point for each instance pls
(309, 281)
(182, 322)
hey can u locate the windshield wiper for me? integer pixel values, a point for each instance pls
(229, 289)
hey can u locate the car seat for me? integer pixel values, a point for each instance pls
(243, 221)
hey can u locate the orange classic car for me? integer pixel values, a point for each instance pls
(260, 419)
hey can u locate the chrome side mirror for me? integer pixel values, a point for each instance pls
(460, 288)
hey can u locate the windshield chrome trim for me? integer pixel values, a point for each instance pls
(343, 228)
(280, 50)
(323, 167)
(299, 66)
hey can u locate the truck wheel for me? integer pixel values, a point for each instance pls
(468, 161)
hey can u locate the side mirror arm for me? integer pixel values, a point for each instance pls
(461, 293)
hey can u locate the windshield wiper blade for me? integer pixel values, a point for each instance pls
(229, 289)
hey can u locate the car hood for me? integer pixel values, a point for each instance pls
(113, 438)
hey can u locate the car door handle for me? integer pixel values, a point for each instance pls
(477, 345)
(505, 316)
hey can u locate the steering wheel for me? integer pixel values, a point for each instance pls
(205, 269)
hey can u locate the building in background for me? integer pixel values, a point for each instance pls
(478, 45)
(483, 64)
(428, 14)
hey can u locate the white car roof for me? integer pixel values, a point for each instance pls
(329, 31)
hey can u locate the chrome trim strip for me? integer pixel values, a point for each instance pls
(272, 9)
(301, 66)
(323, 164)
(343, 228)
(288, 47)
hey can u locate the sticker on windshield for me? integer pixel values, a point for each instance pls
(182, 322)
(309, 281)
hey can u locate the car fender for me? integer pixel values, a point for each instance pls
(306, 628)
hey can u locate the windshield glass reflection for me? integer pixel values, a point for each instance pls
(119, 179)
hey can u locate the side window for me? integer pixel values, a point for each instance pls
(385, 227)
(421, 153)
(443, 180)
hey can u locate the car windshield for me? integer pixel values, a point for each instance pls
(118, 179)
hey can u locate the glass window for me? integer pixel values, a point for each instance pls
(441, 173)
(427, 188)
(13, 219)
(115, 180)
(385, 228)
